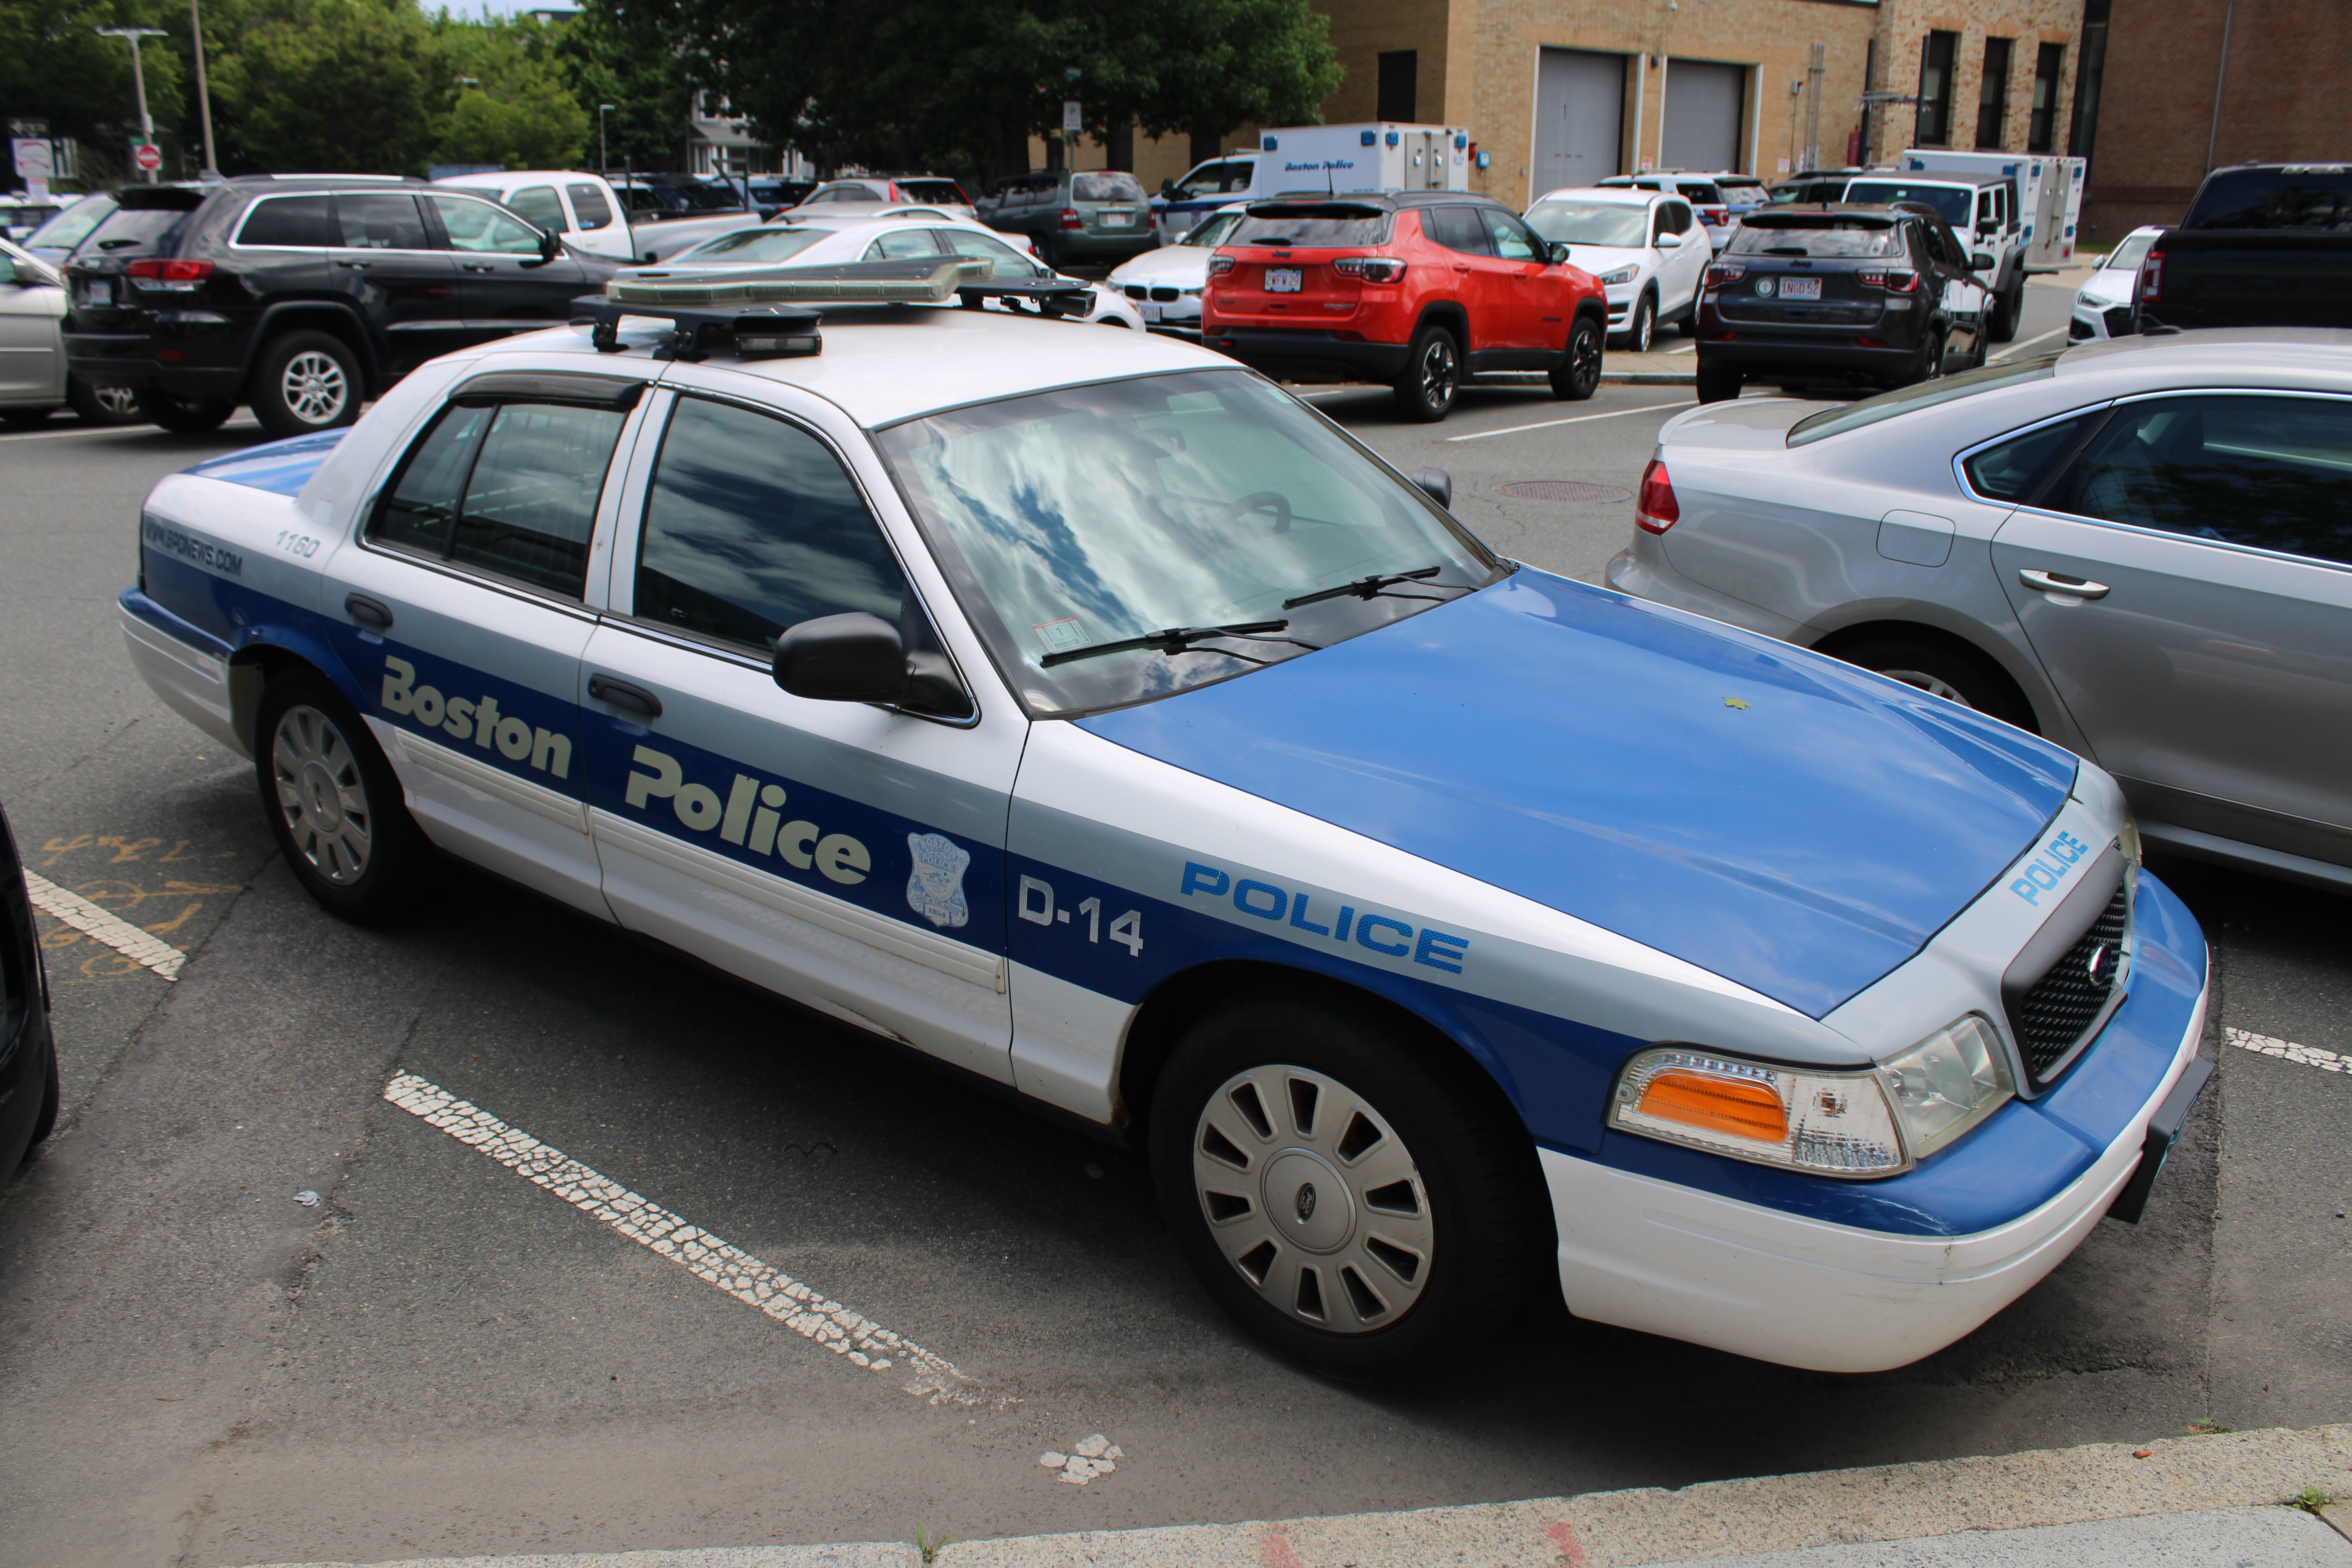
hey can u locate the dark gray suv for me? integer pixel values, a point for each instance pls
(1096, 217)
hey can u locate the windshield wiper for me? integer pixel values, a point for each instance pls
(1179, 639)
(1366, 588)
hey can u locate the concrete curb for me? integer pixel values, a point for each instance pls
(1650, 1525)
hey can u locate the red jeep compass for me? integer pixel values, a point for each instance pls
(1418, 289)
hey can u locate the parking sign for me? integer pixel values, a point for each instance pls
(34, 158)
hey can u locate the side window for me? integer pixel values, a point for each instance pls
(1681, 216)
(380, 222)
(1456, 228)
(1512, 240)
(2264, 471)
(588, 204)
(1238, 173)
(482, 228)
(538, 204)
(1662, 219)
(297, 221)
(509, 488)
(1006, 262)
(903, 245)
(2012, 471)
(751, 526)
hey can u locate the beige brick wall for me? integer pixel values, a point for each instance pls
(2028, 24)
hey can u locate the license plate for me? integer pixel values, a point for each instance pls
(1800, 288)
(99, 293)
(1122, 217)
(1150, 312)
(1284, 280)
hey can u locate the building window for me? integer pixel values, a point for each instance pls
(1992, 95)
(2041, 129)
(1934, 124)
(2083, 125)
(1399, 85)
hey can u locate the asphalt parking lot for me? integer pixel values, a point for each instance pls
(434, 1356)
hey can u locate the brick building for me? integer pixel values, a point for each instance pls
(2170, 105)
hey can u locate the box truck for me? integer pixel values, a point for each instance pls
(2049, 195)
(1334, 159)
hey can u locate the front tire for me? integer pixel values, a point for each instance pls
(1718, 382)
(1432, 377)
(184, 416)
(1641, 327)
(53, 1096)
(1345, 1190)
(1951, 670)
(334, 803)
(103, 405)
(1577, 376)
(305, 382)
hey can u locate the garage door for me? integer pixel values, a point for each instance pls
(1703, 103)
(1579, 114)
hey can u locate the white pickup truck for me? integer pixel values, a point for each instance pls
(593, 217)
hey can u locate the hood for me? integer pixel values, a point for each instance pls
(1790, 823)
(281, 467)
(1600, 258)
(1178, 266)
(2110, 286)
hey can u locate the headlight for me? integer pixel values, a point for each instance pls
(1947, 1083)
(1622, 275)
(1830, 1123)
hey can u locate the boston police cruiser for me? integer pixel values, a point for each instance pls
(1095, 717)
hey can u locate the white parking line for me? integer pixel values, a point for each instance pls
(2287, 1050)
(2015, 348)
(107, 927)
(1579, 419)
(806, 1313)
(113, 430)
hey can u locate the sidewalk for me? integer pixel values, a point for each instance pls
(2217, 1502)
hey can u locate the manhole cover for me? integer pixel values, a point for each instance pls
(1563, 490)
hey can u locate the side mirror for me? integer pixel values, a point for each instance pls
(861, 658)
(1559, 251)
(1167, 187)
(1670, 242)
(1437, 484)
(1982, 261)
(549, 248)
(7, 269)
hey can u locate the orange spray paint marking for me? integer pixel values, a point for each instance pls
(1571, 1554)
(1278, 1553)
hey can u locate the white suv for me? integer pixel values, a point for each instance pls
(1646, 248)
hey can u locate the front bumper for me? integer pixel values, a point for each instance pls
(1298, 353)
(1665, 1259)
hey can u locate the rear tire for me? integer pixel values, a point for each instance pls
(1929, 365)
(333, 802)
(1718, 382)
(1941, 668)
(1577, 376)
(2006, 311)
(305, 382)
(185, 415)
(104, 404)
(53, 1096)
(1688, 325)
(1345, 1189)
(1431, 377)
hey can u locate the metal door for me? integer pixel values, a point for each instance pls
(1579, 118)
(2195, 611)
(503, 285)
(1702, 109)
(388, 266)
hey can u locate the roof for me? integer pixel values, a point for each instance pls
(1382, 201)
(1931, 177)
(1626, 195)
(2308, 351)
(1777, 218)
(882, 365)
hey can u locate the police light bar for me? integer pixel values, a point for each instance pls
(763, 332)
(854, 283)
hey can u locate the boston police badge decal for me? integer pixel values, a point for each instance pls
(935, 890)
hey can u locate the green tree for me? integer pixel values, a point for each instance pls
(54, 66)
(624, 57)
(354, 86)
(514, 105)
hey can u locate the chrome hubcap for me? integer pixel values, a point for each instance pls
(315, 388)
(1437, 373)
(118, 401)
(321, 795)
(1933, 686)
(1313, 1198)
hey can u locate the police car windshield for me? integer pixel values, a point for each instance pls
(1066, 519)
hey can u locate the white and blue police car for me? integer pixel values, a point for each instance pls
(1092, 716)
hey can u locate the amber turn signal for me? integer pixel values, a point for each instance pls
(1733, 1107)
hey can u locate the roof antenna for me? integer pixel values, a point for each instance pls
(1330, 186)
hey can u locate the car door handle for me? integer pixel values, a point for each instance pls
(1461, 266)
(476, 267)
(355, 266)
(2058, 583)
(621, 694)
(368, 612)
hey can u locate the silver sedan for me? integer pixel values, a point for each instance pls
(2141, 549)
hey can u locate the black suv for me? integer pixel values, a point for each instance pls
(1883, 295)
(302, 297)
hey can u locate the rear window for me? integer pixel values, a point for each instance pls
(136, 230)
(538, 204)
(1311, 224)
(1106, 188)
(1926, 394)
(931, 190)
(1829, 237)
(2312, 197)
(590, 203)
(1700, 190)
(1957, 204)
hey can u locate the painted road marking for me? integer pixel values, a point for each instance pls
(1579, 419)
(115, 430)
(2287, 1050)
(2015, 348)
(806, 1313)
(110, 929)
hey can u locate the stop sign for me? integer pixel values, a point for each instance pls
(148, 156)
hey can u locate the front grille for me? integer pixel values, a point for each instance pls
(2050, 1019)
(1165, 294)
(1138, 291)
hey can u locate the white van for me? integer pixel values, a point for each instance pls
(2049, 195)
(1339, 159)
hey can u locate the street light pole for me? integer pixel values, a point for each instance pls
(139, 80)
(603, 157)
(203, 95)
